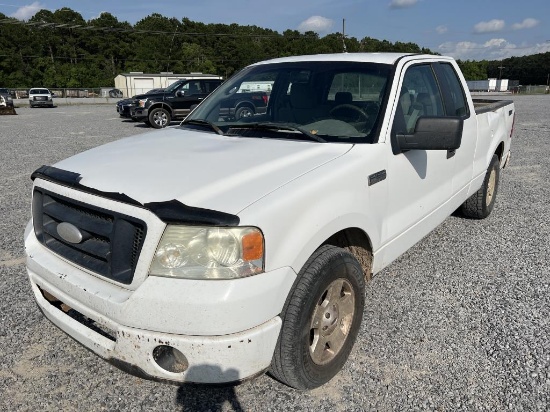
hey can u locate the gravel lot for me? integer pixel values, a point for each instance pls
(460, 322)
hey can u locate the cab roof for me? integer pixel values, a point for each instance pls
(383, 58)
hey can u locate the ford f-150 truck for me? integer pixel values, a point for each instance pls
(222, 248)
(177, 101)
(174, 102)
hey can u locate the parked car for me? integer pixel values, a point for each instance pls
(115, 93)
(223, 248)
(40, 96)
(243, 104)
(124, 106)
(175, 102)
(5, 93)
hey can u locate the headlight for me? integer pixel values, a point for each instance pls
(199, 252)
(142, 102)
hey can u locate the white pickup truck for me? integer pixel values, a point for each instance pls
(220, 249)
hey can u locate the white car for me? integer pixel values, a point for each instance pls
(40, 97)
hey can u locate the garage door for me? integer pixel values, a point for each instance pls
(143, 84)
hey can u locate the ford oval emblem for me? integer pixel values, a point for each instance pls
(69, 232)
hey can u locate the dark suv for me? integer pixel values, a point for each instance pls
(175, 102)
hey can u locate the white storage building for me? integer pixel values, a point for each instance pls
(134, 83)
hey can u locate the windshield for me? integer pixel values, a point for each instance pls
(337, 101)
(39, 91)
(174, 86)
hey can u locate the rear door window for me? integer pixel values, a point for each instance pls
(455, 100)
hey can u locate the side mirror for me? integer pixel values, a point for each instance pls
(180, 93)
(430, 133)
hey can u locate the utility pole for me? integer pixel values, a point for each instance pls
(344, 35)
(501, 67)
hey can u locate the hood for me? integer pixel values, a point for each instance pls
(148, 95)
(199, 169)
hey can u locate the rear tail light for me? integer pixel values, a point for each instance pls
(265, 99)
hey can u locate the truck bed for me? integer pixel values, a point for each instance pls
(489, 105)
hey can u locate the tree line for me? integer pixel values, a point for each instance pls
(62, 50)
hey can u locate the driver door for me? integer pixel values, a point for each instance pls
(420, 181)
(189, 94)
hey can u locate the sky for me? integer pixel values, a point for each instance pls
(465, 29)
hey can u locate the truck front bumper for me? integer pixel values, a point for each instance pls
(150, 355)
(139, 113)
(48, 103)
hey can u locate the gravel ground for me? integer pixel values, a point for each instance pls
(460, 322)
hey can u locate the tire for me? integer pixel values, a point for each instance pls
(322, 312)
(159, 118)
(481, 203)
(244, 111)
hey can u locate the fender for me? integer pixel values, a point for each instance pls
(161, 104)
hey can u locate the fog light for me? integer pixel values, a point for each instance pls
(170, 359)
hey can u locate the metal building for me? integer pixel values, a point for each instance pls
(134, 83)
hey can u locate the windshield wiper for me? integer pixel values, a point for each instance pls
(279, 126)
(201, 122)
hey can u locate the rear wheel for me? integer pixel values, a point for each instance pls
(481, 203)
(159, 118)
(243, 111)
(321, 319)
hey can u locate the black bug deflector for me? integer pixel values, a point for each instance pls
(170, 211)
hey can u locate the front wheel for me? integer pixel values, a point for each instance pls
(321, 319)
(481, 203)
(159, 118)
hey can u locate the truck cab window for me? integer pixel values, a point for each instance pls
(419, 96)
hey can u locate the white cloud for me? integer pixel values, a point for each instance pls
(26, 12)
(98, 16)
(401, 4)
(489, 26)
(317, 24)
(441, 29)
(494, 49)
(526, 24)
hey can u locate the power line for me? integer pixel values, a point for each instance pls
(140, 31)
(79, 57)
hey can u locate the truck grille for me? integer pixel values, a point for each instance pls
(111, 242)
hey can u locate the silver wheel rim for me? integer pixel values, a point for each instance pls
(491, 184)
(331, 321)
(160, 118)
(245, 113)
